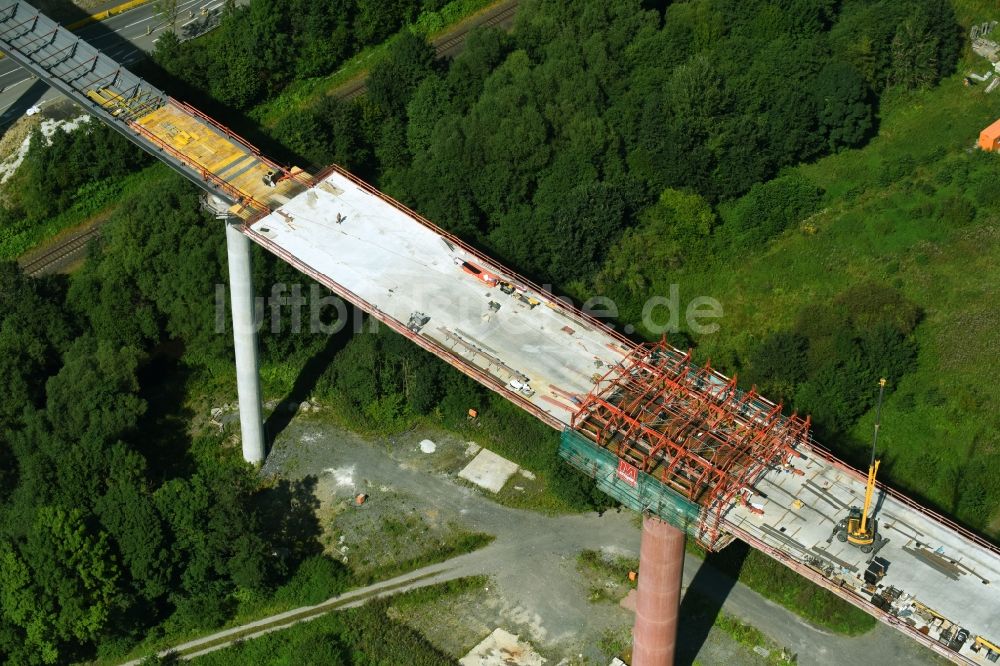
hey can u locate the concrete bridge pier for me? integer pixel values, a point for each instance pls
(658, 598)
(245, 339)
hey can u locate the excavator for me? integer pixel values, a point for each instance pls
(860, 528)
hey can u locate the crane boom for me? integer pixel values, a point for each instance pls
(859, 527)
(869, 492)
(873, 466)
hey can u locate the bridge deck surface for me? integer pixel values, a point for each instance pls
(208, 149)
(942, 569)
(385, 259)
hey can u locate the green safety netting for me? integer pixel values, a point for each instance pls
(648, 494)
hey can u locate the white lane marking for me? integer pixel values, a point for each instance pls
(148, 18)
(16, 83)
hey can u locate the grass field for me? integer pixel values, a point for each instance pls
(918, 209)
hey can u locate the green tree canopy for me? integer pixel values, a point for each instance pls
(673, 231)
(34, 331)
(60, 586)
(844, 111)
(95, 391)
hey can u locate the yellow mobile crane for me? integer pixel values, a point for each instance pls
(860, 528)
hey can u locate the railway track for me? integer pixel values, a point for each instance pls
(501, 17)
(445, 47)
(63, 253)
(353, 89)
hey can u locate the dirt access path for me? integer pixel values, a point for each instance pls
(532, 561)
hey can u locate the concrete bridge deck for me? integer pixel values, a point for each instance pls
(507, 333)
(392, 263)
(385, 261)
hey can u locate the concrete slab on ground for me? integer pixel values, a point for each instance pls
(502, 648)
(488, 470)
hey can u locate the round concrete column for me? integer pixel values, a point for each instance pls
(661, 561)
(245, 339)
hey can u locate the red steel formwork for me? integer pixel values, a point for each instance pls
(690, 428)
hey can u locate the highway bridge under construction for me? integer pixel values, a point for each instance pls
(677, 441)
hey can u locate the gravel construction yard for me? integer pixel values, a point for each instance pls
(395, 523)
(537, 587)
(416, 498)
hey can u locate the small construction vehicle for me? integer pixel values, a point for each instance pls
(521, 387)
(992, 651)
(417, 321)
(527, 300)
(860, 528)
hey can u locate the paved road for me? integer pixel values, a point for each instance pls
(126, 37)
(532, 561)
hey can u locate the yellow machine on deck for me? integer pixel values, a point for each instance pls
(860, 528)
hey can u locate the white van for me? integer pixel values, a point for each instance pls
(524, 389)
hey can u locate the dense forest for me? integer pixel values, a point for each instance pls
(261, 47)
(544, 145)
(114, 519)
(601, 147)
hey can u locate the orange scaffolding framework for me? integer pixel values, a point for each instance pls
(690, 428)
